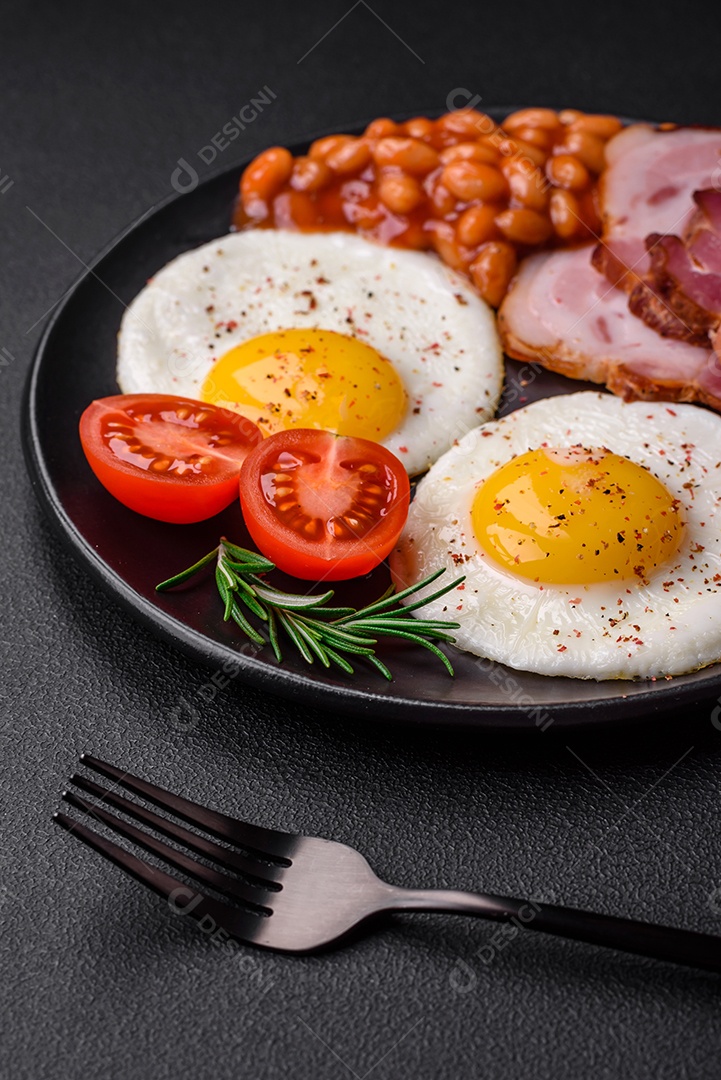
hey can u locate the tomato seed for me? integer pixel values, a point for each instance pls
(313, 529)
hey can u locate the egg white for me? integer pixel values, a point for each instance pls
(618, 630)
(424, 318)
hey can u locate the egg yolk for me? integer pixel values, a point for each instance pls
(576, 516)
(310, 379)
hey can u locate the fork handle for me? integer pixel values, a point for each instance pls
(644, 939)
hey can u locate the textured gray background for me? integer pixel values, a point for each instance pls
(98, 105)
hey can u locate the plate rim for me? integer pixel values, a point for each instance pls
(479, 716)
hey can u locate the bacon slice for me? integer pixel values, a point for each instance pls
(562, 313)
(650, 302)
(647, 188)
(687, 273)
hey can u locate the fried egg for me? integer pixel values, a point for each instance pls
(589, 533)
(322, 330)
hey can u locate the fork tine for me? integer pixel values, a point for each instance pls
(199, 906)
(266, 842)
(260, 872)
(231, 887)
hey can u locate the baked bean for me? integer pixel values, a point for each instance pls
(420, 127)
(322, 147)
(469, 180)
(602, 126)
(527, 183)
(443, 202)
(382, 128)
(543, 119)
(293, 209)
(414, 236)
(492, 270)
(538, 137)
(469, 122)
(565, 214)
(517, 148)
(266, 175)
(588, 200)
(566, 171)
(400, 193)
(589, 149)
(351, 157)
(362, 214)
(476, 225)
(568, 116)
(310, 174)
(470, 151)
(409, 154)
(444, 242)
(493, 140)
(536, 153)
(523, 226)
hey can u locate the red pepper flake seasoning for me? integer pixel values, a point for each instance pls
(561, 648)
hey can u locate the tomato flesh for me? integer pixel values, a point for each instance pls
(171, 458)
(323, 507)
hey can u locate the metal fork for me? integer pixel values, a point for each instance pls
(301, 893)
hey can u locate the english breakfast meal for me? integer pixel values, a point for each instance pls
(346, 338)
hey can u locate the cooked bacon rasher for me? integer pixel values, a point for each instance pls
(635, 311)
(561, 313)
(686, 272)
(647, 187)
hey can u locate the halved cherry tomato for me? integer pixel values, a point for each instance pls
(321, 506)
(170, 458)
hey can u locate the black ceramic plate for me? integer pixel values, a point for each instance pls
(128, 554)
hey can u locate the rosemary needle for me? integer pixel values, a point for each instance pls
(318, 630)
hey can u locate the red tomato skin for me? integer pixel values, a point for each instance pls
(161, 496)
(330, 560)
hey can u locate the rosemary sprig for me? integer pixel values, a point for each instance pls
(318, 630)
